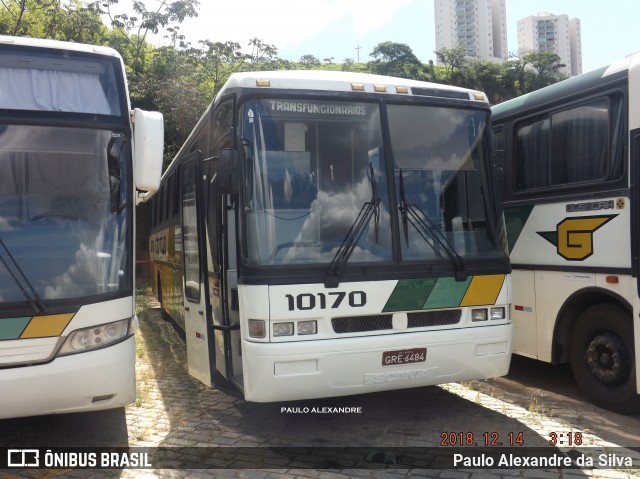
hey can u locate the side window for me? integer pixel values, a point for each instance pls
(581, 144)
(532, 155)
(574, 146)
(222, 124)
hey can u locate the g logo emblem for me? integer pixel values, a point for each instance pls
(573, 237)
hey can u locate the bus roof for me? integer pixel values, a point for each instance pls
(338, 81)
(581, 84)
(58, 45)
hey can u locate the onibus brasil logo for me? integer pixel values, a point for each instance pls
(573, 237)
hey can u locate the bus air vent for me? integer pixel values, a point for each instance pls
(360, 324)
(425, 319)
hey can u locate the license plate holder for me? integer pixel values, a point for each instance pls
(404, 356)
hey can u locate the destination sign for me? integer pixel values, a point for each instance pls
(317, 108)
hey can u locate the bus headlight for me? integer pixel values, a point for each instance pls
(307, 327)
(282, 329)
(497, 313)
(478, 314)
(94, 337)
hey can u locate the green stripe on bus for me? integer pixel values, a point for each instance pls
(447, 293)
(409, 295)
(515, 219)
(12, 328)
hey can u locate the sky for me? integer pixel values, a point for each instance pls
(341, 29)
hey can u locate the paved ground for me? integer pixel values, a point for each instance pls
(173, 410)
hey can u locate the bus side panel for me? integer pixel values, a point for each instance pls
(634, 126)
(552, 290)
(579, 234)
(523, 313)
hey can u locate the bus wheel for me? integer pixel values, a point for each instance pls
(602, 358)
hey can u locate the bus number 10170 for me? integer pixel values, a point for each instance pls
(333, 300)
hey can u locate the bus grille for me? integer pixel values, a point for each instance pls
(360, 324)
(381, 322)
(425, 319)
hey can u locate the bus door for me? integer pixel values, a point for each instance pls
(197, 329)
(222, 281)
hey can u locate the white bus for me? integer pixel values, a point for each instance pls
(329, 233)
(568, 157)
(70, 163)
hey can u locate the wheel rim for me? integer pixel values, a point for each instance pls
(607, 358)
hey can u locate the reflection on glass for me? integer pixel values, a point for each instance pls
(437, 154)
(64, 206)
(311, 167)
(308, 176)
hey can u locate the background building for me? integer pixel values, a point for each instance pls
(479, 25)
(553, 33)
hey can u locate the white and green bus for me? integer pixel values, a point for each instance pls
(71, 159)
(568, 158)
(329, 233)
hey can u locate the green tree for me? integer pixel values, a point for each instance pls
(71, 21)
(309, 61)
(264, 56)
(454, 60)
(81, 23)
(36, 18)
(547, 66)
(347, 64)
(176, 87)
(214, 62)
(485, 76)
(395, 59)
(134, 28)
(531, 71)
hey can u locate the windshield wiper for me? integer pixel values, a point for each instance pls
(412, 214)
(369, 209)
(32, 296)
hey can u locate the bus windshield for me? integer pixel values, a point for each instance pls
(312, 167)
(72, 83)
(64, 208)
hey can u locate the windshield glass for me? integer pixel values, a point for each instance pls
(437, 155)
(64, 207)
(316, 188)
(310, 168)
(58, 82)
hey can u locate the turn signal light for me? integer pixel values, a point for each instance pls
(257, 328)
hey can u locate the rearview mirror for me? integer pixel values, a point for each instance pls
(148, 144)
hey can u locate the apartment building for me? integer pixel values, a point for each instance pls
(479, 25)
(546, 32)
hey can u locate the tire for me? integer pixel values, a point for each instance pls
(602, 357)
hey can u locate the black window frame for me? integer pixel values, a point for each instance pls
(617, 168)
